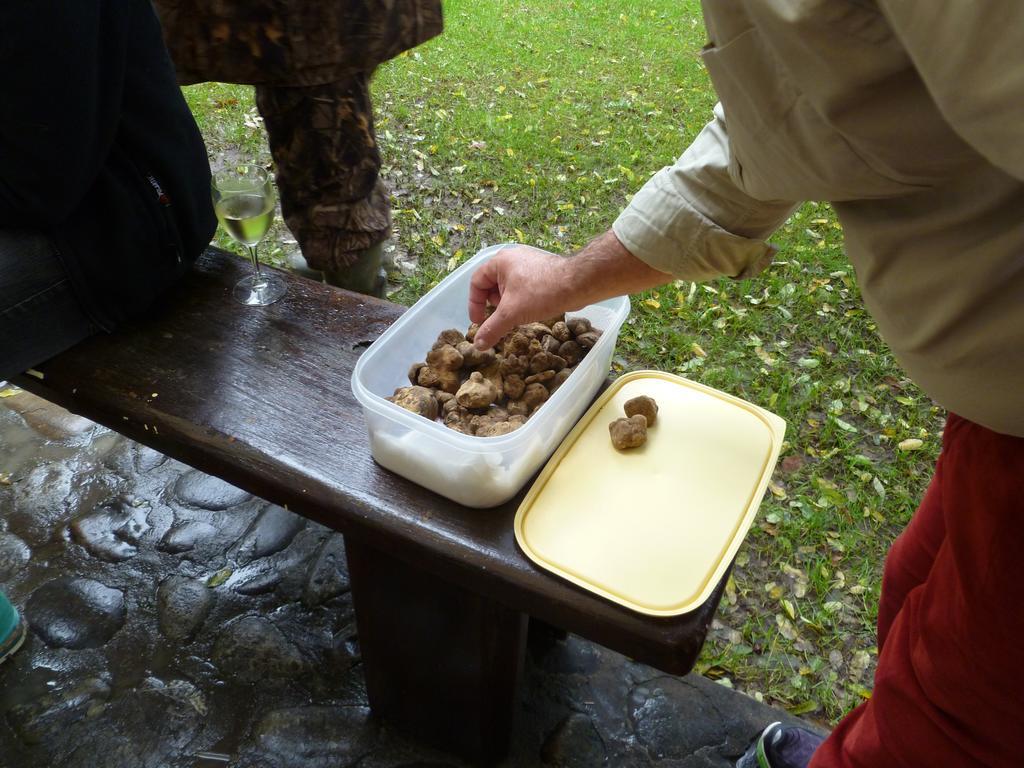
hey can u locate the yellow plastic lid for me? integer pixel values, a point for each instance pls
(652, 528)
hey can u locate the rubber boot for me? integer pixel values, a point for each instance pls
(297, 264)
(12, 629)
(366, 275)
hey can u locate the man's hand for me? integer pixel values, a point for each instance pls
(524, 284)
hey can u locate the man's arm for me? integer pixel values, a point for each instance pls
(691, 221)
(524, 284)
(59, 104)
(694, 220)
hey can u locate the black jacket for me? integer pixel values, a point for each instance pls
(99, 150)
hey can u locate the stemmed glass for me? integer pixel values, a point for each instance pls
(243, 198)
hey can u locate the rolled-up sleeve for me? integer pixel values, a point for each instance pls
(693, 221)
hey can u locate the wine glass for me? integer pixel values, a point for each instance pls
(243, 198)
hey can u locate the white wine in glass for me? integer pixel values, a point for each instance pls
(243, 198)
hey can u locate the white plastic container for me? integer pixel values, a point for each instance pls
(474, 471)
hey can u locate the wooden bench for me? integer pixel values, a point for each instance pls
(261, 398)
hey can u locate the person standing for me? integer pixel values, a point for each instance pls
(909, 118)
(104, 183)
(104, 180)
(311, 63)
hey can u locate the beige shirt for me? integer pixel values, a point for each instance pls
(909, 117)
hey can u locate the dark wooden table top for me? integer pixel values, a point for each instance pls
(261, 397)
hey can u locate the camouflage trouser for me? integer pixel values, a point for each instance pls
(327, 159)
(311, 61)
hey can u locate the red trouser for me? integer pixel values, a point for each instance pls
(949, 688)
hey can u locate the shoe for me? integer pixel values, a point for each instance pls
(297, 264)
(781, 746)
(366, 274)
(13, 641)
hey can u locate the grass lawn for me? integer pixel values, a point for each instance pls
(535, 121)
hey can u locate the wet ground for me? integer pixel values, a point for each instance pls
(178, 622)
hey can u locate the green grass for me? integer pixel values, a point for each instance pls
(535, 121)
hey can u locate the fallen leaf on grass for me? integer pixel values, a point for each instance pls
(860, 690)
(844, 425)
(804, 708)
(791, 464)
(786, 628)
(790, 610)
(799, 577)
(874, 514)
(764, 356)
(859, 663)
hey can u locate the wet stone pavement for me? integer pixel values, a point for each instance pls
(178, 622)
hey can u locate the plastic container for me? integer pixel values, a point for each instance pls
(653, 528)
(474, 471)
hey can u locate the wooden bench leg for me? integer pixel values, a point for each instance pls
(441, 662)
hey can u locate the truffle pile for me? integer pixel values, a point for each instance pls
(493, 392)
